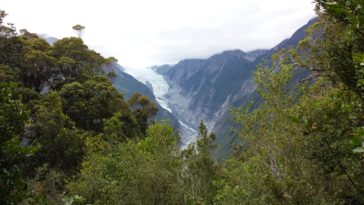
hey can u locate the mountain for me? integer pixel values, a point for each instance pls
(128, 85)
(205, 89)
(202, 89)
(50, 39)
(256, 53)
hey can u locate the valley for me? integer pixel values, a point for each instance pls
(206, 89)
(182, 102)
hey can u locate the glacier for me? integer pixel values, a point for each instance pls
(161, 91)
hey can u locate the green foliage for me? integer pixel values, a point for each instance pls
(6, 74)
(57, 98)
(143, 109)
(273, 168)
(200, 169)
(145, 172)
(6, 31)
(39, 70)
(344, 41)
(122, 126)
(358, 139)
(329, 141)
(76, 61)
(345, 44)
(46, 187)
(241, 182)
(303, 145)
(13, 116)
(61, 144)
(90, 103)
(349, 12)
(79, 29)
(296, 149)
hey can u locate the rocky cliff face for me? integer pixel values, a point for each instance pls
(205, 89)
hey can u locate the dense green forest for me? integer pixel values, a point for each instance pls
(67, 136)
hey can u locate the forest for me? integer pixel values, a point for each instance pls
(67, 136)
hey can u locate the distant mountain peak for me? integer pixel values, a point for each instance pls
(256, 53)
(230, 53)
(161, 69)
(205, 89)
(50, 39)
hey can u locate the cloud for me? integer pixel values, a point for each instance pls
(142, 33)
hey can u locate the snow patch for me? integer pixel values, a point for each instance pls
(162, 92)
(154, 80)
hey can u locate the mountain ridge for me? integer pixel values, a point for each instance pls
(205, 89)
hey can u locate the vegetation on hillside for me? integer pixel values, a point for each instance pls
(68, 137)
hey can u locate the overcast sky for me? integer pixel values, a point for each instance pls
(143, 33)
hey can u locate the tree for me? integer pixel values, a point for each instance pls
(76, 62)
(296, 151)
(143, 109)
(135, 172)
(79, 30)
(61, 144)
(200, 169)
(7, 74)
(39, 70)
(13, 116)
(342, 24)
(6, 31)
(122, 126)
(343, 46)
(92, 102)
(274, 167)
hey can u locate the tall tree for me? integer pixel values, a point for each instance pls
(79, 29)
(200, 169)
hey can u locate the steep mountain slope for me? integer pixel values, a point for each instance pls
(205, 89)
(161, 89)
(128, 85)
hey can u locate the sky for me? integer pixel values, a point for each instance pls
(143, 33)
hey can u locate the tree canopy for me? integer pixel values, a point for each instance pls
(67, 136)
